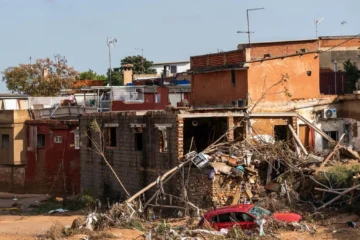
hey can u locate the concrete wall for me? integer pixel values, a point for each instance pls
(263, 77)
(12, 124)
(181, 67)
(44, 169)
(135, 168)
(215, 89)
(12, 179)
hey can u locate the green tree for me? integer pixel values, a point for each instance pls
(116, 77)
(91, 75)
(43, 78)
(352, 75)
(138, 62)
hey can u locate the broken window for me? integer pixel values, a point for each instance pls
(41, 140)
(138, 139)
(233, 79)
(280, 132)
(5, 140)
(110, 137)
(333, 134)
(163, 139)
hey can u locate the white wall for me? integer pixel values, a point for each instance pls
(181, 67)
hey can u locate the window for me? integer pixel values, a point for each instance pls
(58, 139)
(77, 141)
(333, 134)
(259, 212)
(138, 139)
(157, 98)
(110, 137)
(233, 79)
(41, 140)
(163, 139)
(5, 140)
(243, 217)
(225, 217)
(173, 69)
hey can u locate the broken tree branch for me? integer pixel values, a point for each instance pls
(340, 195)
(330, 154)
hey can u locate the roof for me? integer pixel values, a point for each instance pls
(12, 95)
(338, 37)
(169, 63)
(281, 41)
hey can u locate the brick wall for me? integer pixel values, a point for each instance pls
(136, 169)
(217, 60)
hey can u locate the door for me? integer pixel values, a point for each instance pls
(305, 136)
(244, 220)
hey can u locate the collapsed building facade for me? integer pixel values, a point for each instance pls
(268, 91)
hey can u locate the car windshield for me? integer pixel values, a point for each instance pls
(259, 212)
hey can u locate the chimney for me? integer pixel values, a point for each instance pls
(128, 73)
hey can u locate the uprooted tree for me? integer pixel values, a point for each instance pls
(43, 78)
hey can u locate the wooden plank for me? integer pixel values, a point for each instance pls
(318, 130)
(298, 140)
(236, 198)
(330, 154)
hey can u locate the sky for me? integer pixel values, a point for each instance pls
(167, 30)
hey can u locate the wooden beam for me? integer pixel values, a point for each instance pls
(318, 130)
(297, 139)
(330, 154)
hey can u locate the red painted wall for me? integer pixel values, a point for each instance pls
(148, 104)
(44, 172)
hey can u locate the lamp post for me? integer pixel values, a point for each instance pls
(110, 42)
(342, 25)
(248, 22)
(142, 58)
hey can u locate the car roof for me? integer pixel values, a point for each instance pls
(239, 207)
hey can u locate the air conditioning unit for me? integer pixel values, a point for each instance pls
(330, 113)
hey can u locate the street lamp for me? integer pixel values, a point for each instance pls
(142, 58)
(110, 42)
(248, 22)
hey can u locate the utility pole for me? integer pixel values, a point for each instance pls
(248, 22)
(110, 42)
(317, 22)
(142, 58)
(342, 25)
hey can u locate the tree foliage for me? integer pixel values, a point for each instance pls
(91, 75)
(116, 77)
(352, 75)
(43, 78)
(137, 61)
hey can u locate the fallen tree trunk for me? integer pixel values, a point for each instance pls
(154, 183)
(340, 195)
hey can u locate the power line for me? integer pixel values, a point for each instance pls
(353, 37)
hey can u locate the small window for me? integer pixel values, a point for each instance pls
(173, 69)
(333, 134)
(267, 55)
(58, 139)
(138, 139)
(233, 78)
(163, 140)
(111, 137)
(41, 140)
(157, 98)
(5, 139)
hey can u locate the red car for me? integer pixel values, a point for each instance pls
(243, 215)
